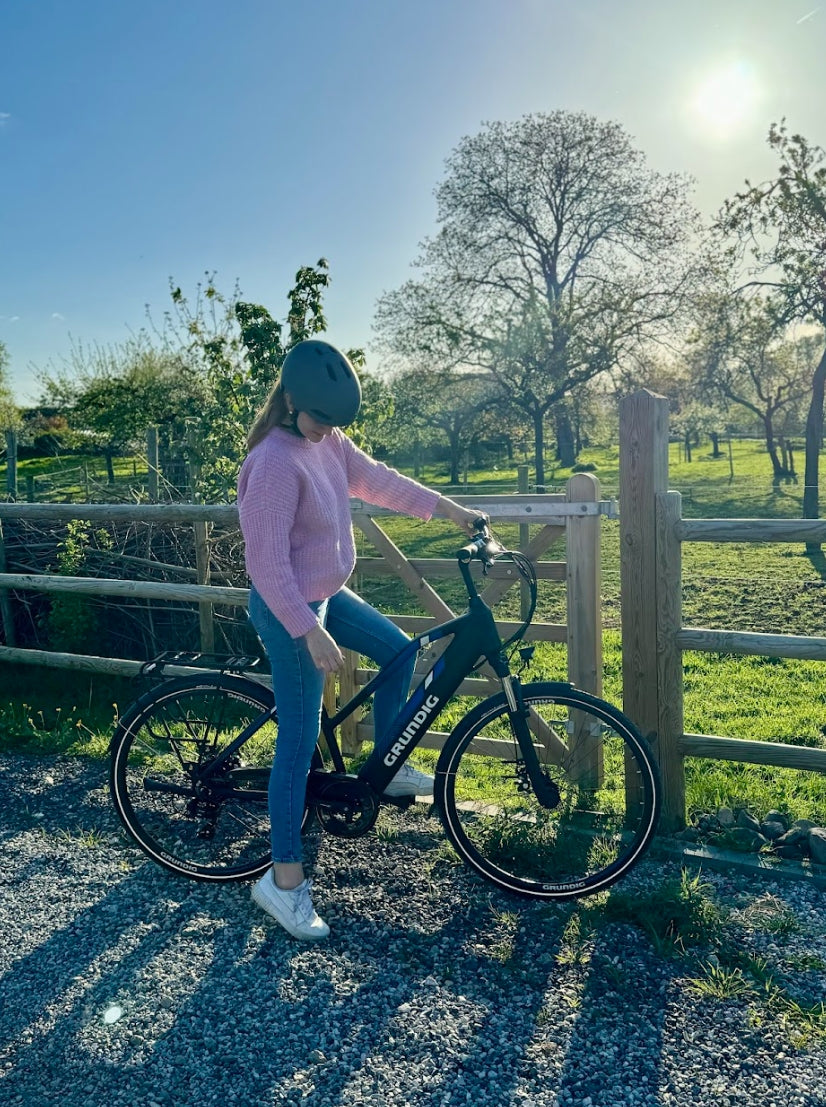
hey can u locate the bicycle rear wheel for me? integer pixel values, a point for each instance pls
(200, 822)
(607, 784)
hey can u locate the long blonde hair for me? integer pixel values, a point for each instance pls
(273, 413)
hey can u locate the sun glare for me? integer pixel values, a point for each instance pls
(725, 99)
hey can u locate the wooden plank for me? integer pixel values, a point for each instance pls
(643, 443)
(473, 686)
(431, 601)
(670, 660)
(142, 589)
(584, 579)
(753, 530)
(11, 464)
(435, 740)
(223, 514)
(584, 627)
(537, 632)
(112, 666)
(750, 752)
(205, 610)
(797, 646)
(506, 508)
(445, 568)
(500, 508)
(152, 463)
(348, 686)
(5, 599)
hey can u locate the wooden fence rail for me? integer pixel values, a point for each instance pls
(574, 515)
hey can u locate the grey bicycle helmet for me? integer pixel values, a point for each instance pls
(322, 382)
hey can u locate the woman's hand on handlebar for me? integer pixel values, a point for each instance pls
(323, 649)
(464, 518)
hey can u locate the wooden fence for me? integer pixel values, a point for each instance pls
(542, 520)
(652, 531)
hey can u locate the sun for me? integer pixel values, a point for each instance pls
(725, 99)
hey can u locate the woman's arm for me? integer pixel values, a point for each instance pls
(463, 517)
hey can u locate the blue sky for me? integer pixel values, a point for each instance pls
(143, 141)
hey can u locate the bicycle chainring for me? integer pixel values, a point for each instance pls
(345, 806)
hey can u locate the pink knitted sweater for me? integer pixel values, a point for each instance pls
(294, 507)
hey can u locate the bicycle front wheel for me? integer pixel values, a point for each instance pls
(596, 818)
(191, 809)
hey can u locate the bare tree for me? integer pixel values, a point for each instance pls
(558, 251)
(780, 226)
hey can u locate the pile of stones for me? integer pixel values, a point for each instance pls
(738, 829)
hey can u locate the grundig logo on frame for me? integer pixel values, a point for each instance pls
(411, 730)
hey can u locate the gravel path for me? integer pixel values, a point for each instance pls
(432, 989)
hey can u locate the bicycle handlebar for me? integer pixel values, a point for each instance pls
(485, 548)
(482, 545)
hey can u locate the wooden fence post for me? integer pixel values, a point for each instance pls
(5, 598)
(348, 686)
(584, 580)
(670, 723)
(11, 464)
(584, 616)
(152, 461)
(643, 475)
(524, 539)
(205, 610)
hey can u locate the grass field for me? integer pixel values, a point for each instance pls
(772, 588)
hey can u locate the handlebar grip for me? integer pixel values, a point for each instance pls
(467, 553)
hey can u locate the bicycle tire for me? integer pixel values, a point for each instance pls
(207, 831)
(609, 794)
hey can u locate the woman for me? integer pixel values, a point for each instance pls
(294, 495)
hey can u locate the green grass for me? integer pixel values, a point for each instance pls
(759, 587)
(45, 711)
(65, 476)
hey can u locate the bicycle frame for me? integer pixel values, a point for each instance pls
(474, 635)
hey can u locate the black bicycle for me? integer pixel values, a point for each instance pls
(543, 789)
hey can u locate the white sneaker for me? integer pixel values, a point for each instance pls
(410, 782)
(291, 907)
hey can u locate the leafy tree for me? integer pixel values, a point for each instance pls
(780, 228)
(9, 412)
(558, 251)
(433, 404)
(238, 348)
(112, 394)
(740, 357)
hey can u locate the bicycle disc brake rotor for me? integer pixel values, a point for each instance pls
(345, 806)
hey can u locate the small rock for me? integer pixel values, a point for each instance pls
(817, 845)
(744, 840)
(803, 824)
(777, 817)
(794, 844)
(772, 829)
(725, 817)
(747, 821)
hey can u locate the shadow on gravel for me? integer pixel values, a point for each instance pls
(433, 988)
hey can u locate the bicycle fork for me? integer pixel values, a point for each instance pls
(545, 790)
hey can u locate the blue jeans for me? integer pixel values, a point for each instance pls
(298, 686)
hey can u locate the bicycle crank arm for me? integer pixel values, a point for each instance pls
(150, 785)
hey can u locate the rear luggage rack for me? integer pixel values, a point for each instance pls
(222, 663)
